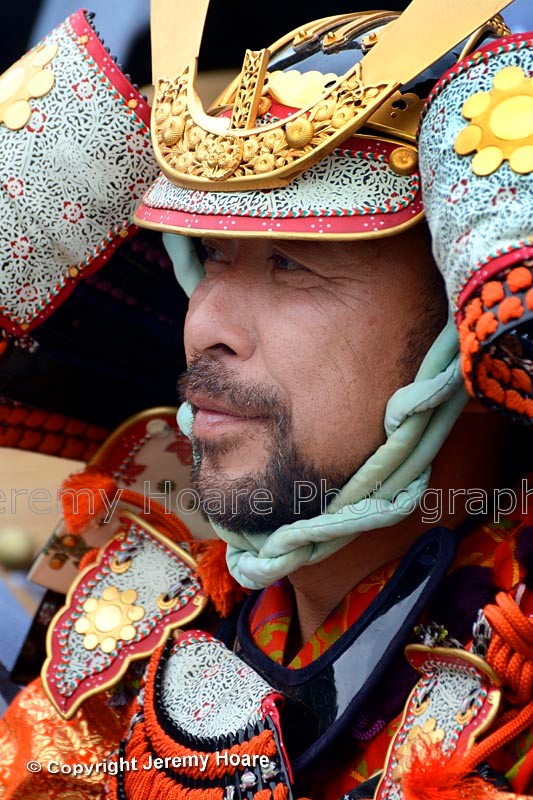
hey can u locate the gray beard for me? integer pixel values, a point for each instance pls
(228, 501)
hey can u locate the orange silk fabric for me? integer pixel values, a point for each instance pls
(32, 730)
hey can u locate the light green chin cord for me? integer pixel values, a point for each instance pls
(388, 486)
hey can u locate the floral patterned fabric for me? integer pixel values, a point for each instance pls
(71, 175)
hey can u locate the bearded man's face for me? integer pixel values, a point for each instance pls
(293, 350)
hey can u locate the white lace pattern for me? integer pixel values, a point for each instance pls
(208, 691)
(69, 182)
(345, 183)
(473, 219)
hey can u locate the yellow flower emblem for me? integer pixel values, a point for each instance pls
(501, 125)
(108, 619)
(25, 80)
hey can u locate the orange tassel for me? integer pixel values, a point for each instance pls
(80, 510)
(82, 498)
(88, 558)
(428, 777)
(219, 585)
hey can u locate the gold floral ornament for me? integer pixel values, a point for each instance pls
(221, 156)
(299, 132)
(501, 127)
(108, 619)
(200, 151)
(26, 80)
(419, 739)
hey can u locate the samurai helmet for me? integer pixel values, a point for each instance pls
(316, 137)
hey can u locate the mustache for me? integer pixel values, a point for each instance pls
(208, 376)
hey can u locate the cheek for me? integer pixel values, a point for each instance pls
(326, 358)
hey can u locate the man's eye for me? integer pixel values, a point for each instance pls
(208, 252)
(282, 262)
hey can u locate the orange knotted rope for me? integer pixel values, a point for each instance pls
(510, 655)
(511, 649)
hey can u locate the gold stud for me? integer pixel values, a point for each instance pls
(119, 569)
(403, 161)
(132, 103)
(108, 645)
(84, 39)
(82, 625)
(165, 602)
(73, 272)
(107, 618)
(128, 596)
(136, 613)
(127, 632)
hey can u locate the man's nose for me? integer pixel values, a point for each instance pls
(220, 319)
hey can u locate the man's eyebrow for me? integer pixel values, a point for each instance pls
(364, 260)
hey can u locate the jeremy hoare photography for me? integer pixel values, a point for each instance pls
(266, 516)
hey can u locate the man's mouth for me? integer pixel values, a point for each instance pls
(214, 416)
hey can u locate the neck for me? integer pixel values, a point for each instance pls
(468, 459)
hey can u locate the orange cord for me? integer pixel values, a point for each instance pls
(519, 279)
(510, 655)
(88, 558)
(492, 293)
